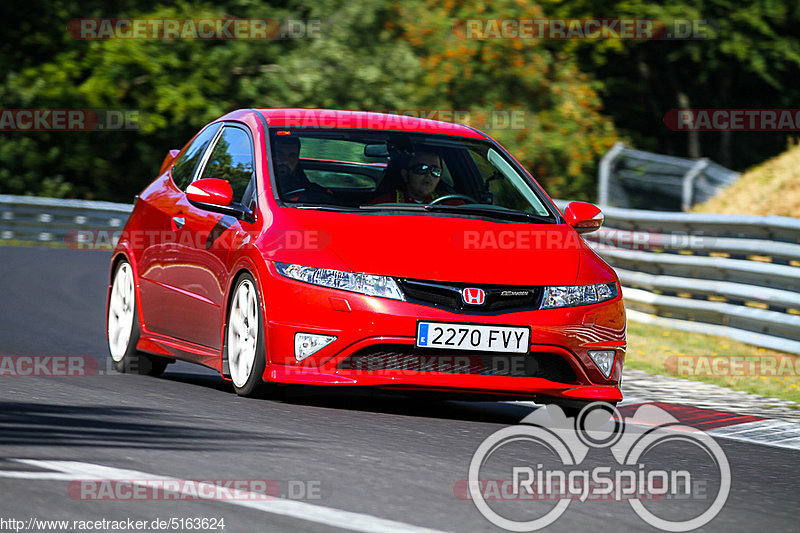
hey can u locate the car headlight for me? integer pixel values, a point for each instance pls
(573, 295)
(368, 284)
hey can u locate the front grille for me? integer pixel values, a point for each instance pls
(399, 358)
(499, 298)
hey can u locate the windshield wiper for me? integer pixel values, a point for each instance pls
(393, 207)
(324, 207)
(489, 212)
(501, 214)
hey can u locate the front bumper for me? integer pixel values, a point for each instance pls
(363, 323)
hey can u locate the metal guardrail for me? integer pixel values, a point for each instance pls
(734, 276)
(30, 218)
(631, 178)
(771, 227)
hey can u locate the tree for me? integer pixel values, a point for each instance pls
(745, 55)
(534, 100)
(176, 86)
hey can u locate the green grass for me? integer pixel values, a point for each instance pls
(656, 350)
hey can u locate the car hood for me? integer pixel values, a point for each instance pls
(431, 247)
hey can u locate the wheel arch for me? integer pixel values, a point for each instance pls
(124, 253)
(244, 265)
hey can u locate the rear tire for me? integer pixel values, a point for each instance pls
(123, 328)
(244, 339)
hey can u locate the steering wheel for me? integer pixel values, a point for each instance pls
(453, 197)
(291, 193)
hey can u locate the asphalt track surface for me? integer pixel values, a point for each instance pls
(392, 463)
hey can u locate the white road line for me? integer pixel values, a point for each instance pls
(789, 439)
(627, 400)
(76, 470)
(44, 476)
(763, 432)
(770, 432)
(758, 426)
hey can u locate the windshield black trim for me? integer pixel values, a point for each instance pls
(530, 179)
(555, 214)
(250, 216)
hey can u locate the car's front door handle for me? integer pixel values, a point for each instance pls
(178, 222)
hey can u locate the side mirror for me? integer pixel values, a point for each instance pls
(214, 194)
(210, 191)
(584, 217)
(171, 155)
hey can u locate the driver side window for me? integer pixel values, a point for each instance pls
(233, 160)
(184, 167)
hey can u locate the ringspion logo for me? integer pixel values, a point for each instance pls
(556, 447)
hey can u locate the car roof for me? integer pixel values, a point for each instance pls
(335, 118)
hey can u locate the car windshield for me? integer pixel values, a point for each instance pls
(378, 171)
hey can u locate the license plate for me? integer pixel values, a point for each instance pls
(485, 338)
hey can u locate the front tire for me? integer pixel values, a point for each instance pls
(244, 339)
(123, 328)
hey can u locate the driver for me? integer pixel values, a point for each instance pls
(420, 175)
(293, 185)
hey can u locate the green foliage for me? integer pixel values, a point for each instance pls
(533, 101)
(562, 104)
(177, 86)
(746, 55)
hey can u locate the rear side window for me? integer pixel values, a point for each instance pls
(185, 165)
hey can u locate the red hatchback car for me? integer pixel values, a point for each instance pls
(339, 248)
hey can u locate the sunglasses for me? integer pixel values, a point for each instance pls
(422, 168)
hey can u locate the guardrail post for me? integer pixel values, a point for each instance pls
(605, 173)
(688, 183)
